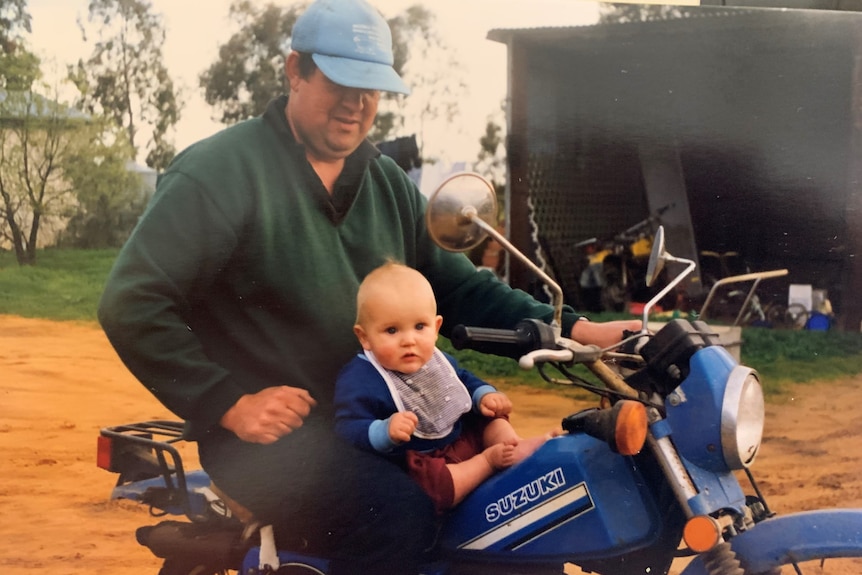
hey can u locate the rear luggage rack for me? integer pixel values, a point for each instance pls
(150, 467)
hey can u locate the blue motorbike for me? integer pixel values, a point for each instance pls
(653, 474)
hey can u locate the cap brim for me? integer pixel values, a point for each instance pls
(360, 74)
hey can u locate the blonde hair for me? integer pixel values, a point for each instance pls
(387, 279)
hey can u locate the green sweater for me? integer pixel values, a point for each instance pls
(243, 271)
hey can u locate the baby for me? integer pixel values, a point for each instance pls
(404, 398)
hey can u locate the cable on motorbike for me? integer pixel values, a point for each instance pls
(767, 512)
(575, 380)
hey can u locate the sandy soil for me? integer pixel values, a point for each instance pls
(61, 382)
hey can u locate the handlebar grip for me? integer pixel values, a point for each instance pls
(527, 336)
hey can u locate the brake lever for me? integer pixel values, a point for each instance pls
(570, 352)
(529, 360)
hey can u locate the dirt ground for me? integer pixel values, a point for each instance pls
(61, 382)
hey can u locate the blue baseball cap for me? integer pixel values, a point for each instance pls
(350, 42)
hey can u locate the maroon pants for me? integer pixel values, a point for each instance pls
(428, 468)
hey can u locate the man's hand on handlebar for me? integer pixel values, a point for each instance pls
(603, 334)
(268, 415)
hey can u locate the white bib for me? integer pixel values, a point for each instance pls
(434, 393)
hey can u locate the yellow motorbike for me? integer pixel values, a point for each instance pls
(614, 274)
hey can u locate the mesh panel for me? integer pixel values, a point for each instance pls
(576, 196)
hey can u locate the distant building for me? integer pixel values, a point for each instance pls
(148, 178)
(747, 120)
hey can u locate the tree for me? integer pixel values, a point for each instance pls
(431, 70)
(18, 66)
(49, 155)
(628, 13)
(109, 197)
(491, 163)
(249, 70)
(491, 160)
(13, 19)
(125, 78)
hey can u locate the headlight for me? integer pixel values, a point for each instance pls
(716, 415)
(742, 415)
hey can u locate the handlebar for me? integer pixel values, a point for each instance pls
(533, 342)
(528, 335)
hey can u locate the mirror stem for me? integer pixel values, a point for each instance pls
(648, 307)
(471, 213)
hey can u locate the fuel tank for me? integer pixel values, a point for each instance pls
(572, 499)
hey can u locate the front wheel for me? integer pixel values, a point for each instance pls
(796, 316)
(721, 560)
(614, 297)
(794, 539)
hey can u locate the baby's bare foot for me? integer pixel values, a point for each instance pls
(501, 455)
(526, 447)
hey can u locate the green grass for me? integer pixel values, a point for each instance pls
(66, 285)
(63, 285)
(786, 356)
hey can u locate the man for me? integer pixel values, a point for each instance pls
(234, 299)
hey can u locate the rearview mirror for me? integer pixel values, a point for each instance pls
(454, 208)
(656, 257)
(462, 212)
(659, 256)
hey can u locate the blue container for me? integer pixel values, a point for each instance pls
(818, 322)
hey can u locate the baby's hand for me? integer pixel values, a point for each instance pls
(402, 425)
(495, 404)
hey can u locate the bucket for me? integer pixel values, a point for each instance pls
(818, 322)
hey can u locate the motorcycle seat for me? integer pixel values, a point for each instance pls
(236, 508)
(268, 551)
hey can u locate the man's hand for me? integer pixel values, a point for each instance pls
(402, 425)
(495, 404)
(603, 334)
(268, 415)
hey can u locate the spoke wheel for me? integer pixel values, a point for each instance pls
(614, 297)
(796, 316)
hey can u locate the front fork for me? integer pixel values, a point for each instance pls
(720, 559)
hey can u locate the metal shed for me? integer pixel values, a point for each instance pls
(747, 120)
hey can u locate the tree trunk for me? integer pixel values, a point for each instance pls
(30, 249)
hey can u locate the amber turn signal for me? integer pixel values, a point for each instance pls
(623, 427)
(631, 427)
(701, 533)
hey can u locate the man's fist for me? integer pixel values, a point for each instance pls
(269, 414)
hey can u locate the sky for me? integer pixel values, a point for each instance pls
(196, 28)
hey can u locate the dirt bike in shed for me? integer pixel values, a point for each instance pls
(650, 475)
(615, 268)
